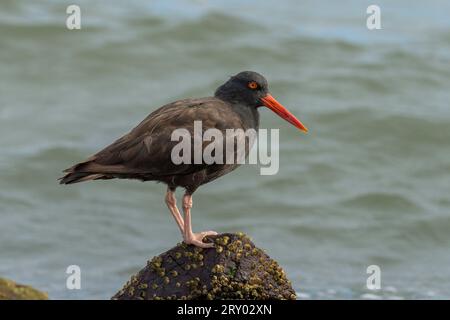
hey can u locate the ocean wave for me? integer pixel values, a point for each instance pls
(380, 201)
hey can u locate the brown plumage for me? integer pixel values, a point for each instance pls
(145, 152)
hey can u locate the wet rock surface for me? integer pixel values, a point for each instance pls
(234, 269)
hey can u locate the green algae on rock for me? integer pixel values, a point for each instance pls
(234, 269)
(9, 290)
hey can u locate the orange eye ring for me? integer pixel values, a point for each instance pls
(252, 85)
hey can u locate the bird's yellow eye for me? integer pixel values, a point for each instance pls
(252, 85)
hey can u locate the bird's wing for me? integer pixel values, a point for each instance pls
(147, 148)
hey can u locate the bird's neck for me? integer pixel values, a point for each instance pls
(249, 115)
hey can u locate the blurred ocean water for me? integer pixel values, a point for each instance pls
(369, 185)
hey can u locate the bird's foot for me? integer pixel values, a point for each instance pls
(196, 239)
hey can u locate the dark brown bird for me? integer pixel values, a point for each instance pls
(145, 153)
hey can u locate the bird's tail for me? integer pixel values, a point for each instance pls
(75, 177)
(81, 172)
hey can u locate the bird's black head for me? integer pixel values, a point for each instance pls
(246, 87)
(250, 89)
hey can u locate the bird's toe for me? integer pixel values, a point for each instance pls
(205, 244)
(199, 243)
(196, 239)
(208, 233)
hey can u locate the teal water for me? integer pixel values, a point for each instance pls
(369, 185)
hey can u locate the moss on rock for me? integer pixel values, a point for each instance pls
(234, 269)
(9, 290)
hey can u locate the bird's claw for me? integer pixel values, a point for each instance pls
(196, 239)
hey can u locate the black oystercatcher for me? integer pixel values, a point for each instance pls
(145, 152)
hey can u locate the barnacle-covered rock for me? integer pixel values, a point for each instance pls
(10, 290)
(234, 269)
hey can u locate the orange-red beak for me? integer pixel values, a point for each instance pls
(278, 108)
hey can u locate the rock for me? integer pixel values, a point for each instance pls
(234, 269)
(9, 290)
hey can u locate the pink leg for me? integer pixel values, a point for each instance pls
(188, 235)
(171, 202)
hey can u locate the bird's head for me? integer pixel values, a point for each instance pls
(251, 89)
